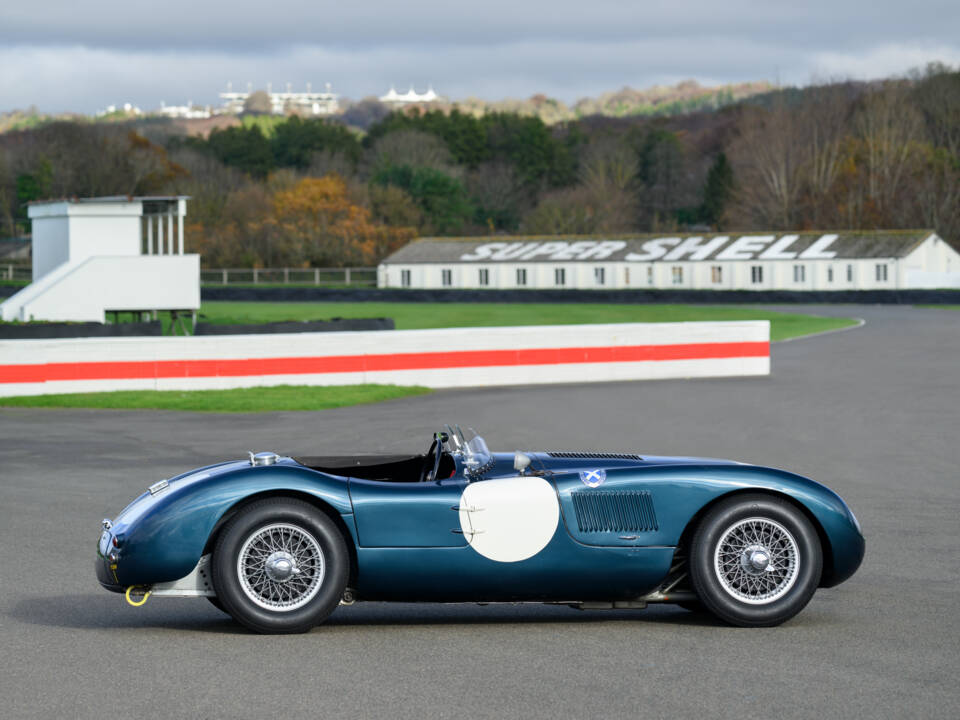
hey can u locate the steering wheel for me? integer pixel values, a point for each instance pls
(436, 449)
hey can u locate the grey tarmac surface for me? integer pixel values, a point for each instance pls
(873, 412)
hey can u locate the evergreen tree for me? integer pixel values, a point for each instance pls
(717, 190)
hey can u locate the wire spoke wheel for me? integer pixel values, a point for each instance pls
(280, 567)
(757, 560)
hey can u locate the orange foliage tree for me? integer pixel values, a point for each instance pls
(326, 229)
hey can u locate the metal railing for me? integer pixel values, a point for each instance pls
(12, 271)
(317, 277)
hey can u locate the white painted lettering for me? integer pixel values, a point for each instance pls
(777, 251)
(573, 249)
(603, 250)
(818, 251)
(653, 249)
(548, 248)
(744, 248)
(696, 248)
(483, 251)
(513, 250)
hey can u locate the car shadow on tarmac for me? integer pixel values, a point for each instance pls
(97, 612)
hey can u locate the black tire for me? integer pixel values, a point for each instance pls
(314, 579)
(727, 580)
(217, 604)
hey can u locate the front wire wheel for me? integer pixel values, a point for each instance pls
(755, 560)
(280, 566)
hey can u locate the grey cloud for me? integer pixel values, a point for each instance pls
(244, 26)
(83, 57)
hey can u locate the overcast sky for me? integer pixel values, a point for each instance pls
(82, 56)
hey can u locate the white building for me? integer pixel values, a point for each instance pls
(188, 111)
(410, 97)
(873, 260)
(96, 255)
(309, 102)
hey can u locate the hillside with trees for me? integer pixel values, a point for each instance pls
(311, 192)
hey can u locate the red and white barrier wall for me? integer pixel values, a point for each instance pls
(450, 357)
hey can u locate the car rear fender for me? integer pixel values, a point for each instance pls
(164, 535)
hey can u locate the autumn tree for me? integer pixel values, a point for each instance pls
(326, 229)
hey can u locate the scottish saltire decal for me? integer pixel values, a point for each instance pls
(593, 478)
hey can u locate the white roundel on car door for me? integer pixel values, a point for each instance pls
(509, 519)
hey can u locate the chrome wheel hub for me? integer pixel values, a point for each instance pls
(280, 567)
(757, 560)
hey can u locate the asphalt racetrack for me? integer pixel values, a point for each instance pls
(874, 412)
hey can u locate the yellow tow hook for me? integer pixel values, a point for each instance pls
(145, 589)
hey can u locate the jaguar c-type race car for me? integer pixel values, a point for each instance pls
(278, 542)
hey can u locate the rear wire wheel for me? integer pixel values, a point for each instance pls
(280, 566)
(755, 560)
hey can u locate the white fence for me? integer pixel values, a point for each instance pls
(319, 277)
(447, 357)
(16, 272)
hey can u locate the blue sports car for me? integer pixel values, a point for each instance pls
(278, 542)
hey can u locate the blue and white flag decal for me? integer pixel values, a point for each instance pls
(592, 478)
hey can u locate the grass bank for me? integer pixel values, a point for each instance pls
(411, 316)
(241, 400)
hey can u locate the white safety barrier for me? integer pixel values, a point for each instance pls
(450, 357)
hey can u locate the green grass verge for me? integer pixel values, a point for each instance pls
(940, 307)
(241, 400)
(410, 316)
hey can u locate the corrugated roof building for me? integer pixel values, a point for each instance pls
(757, 261)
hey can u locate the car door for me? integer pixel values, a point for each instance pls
(410, 515)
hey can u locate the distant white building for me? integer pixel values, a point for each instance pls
(880, 260)
(92, 256)
(126, 109)
(408, 98)
(188, 111)
(309, 102)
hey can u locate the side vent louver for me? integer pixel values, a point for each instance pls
(614, 511)
(595, 456)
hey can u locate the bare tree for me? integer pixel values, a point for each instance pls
(936, 192)
(563, 212)
(767, 157)
(258, 103)
(609, 163)
(499, 193)
(888, 127)
(937, 96)
(413, 148)
(822, 123)
(365, 113)
(331, 161)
